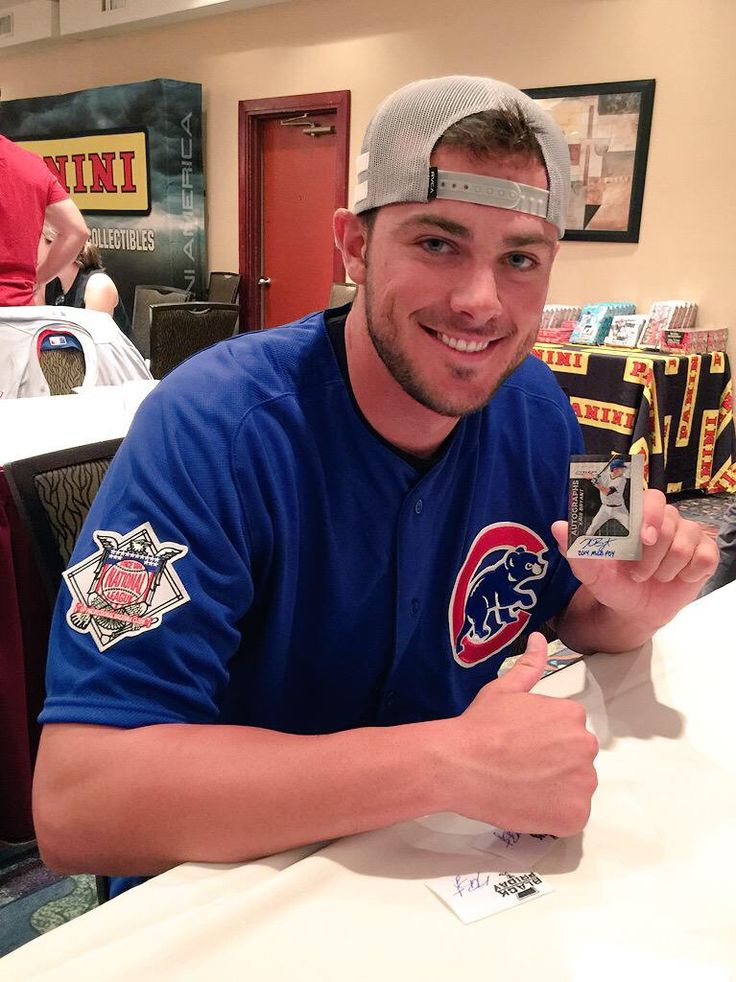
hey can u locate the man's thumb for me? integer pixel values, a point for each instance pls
(528, 669)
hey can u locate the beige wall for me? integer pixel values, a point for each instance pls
(686, 247)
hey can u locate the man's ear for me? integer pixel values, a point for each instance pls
(351, 238)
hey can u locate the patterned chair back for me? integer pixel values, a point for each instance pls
(62, 369)
(180, 330)
(53, 493)
(223, 287)
(145, 297)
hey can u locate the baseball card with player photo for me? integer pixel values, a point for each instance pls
(605, 507)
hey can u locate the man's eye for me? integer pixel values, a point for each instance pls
(436, 246)
(519, 261)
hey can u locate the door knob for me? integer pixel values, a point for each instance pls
(264, 281)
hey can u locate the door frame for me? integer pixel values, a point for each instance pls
(251, 113)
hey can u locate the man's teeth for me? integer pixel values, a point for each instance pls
(461, 345)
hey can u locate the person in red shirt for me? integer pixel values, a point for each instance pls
(30, 195)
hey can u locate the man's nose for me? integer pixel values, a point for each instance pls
(475, 295)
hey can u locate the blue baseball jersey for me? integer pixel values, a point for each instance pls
(257, 555)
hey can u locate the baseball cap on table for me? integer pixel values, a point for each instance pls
(394, 164)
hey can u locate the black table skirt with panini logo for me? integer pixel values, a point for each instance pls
(676, 410)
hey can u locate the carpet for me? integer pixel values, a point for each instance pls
(33, 899)
(709, 510)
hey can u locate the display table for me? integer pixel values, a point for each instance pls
(644, 892)
(677, 410)
(29, 427)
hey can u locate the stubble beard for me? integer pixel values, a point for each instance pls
(400, 368)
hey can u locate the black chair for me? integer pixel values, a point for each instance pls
(53, 493)
(145, 297)
(341, 293)
(180, 330)
(223, 287)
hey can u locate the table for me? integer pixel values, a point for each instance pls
(644, 892)
(677, 410)
(29, 427)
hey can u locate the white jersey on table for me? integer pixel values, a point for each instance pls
(110, 357)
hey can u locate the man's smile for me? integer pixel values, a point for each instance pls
(461, 344)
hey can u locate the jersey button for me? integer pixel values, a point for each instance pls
(418, 506)
(390, 700)
(415, 605)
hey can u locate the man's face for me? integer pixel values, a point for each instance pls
(454, 291)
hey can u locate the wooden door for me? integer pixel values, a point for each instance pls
(293, 174)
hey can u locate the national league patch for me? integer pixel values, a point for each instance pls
(125, 587)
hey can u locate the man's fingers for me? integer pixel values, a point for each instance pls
(559, 530)
(653, 513)
(529, 668)
(692, 554)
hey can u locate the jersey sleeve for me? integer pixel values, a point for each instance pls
(148, 615)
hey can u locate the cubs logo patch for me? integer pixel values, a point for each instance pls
(492, 597)
(125, 587)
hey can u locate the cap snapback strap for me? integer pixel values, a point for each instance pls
(483, 190)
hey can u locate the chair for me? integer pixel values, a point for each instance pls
(62, 369)
(341, 293)
(53, 493)
(223, 287)
(181, 329)
(145, 297)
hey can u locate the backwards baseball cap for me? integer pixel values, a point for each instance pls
(394, 163)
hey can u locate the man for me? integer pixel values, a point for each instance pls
(611, 490)
(30, 195)
(262, 640)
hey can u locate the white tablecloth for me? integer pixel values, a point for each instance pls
(646, 892)
(45, 423)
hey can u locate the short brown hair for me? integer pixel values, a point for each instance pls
(494, 132)
(89, 257)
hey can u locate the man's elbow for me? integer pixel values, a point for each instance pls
(58, 840)
(61, 815)
(79, 233)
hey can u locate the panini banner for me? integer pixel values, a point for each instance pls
(134, 168)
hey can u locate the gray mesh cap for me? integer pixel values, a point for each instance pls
(394, 164)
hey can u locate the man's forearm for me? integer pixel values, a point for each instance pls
(587, 626)
(62, 251)
(126, 802)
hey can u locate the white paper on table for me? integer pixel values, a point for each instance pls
(473, 896)
(525, 849)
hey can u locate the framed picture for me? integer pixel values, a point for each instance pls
(607, 127)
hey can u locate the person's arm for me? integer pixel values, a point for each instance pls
(127, 802)
(100, 293)
(620, 604)
(72, 233)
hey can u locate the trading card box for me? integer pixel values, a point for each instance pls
(625, 330)
(605, 506)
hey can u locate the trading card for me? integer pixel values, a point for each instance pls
(605, 506)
